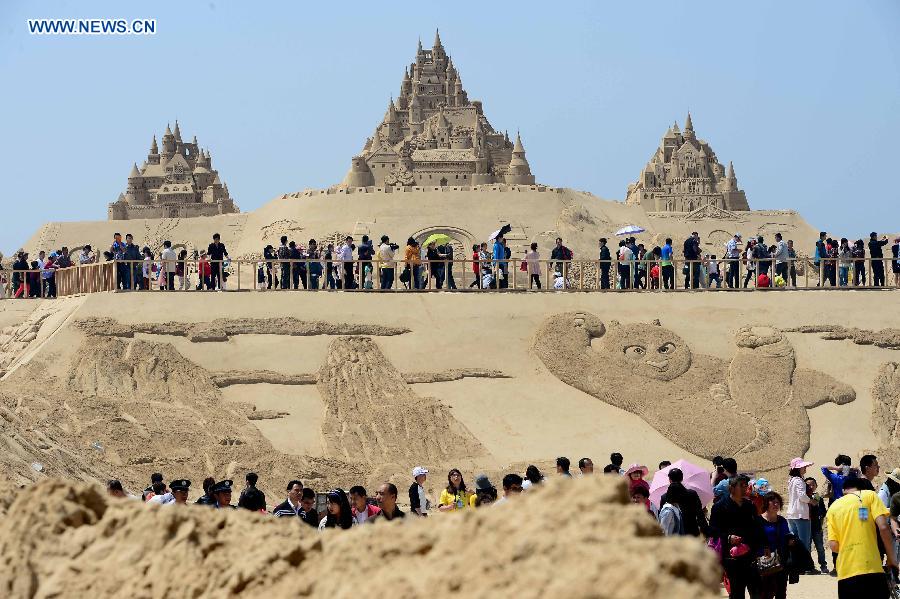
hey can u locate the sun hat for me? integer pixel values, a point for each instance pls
(799, 463)
(895, 475)
(637, 468)
(419, 471)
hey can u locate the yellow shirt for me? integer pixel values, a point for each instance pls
(448, 498)
(857, 545)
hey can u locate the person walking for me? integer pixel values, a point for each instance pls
(563, 256)
(345, 255)
(692, 255)
(799, 502)
(877, 255)
(413, 266)
(736, 529)
(533, 266)
(733, 257)
(816, 518)
(781, 257)
(476, 269)
(855, 522)
(498, 253)
(385, 257)
(844, 262)
(773, 583)
(859, 262)
(792, 256)
(625, 257)
(314, 264)
(169, 265)
(284, 266)
(217, 254)
(749, 262)
(605, 263)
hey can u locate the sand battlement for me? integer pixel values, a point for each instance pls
(494, 187)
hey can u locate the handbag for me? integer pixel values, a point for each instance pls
(523, 266)
(768, 565)
(404, 276)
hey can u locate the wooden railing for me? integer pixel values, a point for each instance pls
(448, 275)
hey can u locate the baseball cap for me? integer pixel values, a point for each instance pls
(419, 471)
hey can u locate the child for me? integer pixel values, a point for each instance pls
(204, 272)
(713, 268)
(816, 515)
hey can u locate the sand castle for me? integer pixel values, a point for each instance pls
(178, 182)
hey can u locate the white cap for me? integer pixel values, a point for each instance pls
(419, 471)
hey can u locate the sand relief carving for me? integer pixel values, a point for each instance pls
(372, 415)
(753, 407)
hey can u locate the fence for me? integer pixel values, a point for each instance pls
(449, 275)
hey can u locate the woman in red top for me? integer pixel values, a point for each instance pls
(635, 475)
(475, 267)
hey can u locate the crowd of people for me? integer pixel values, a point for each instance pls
(367, 265)
(762, 538)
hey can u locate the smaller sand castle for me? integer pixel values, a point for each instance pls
(177, 182)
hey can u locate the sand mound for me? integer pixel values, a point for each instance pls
(576, 538)
(886, 406)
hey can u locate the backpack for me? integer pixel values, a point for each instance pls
(284, 252)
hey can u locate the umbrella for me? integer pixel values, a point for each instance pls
(501, 231)
(437, 238)
(695, 478)
(629, 230)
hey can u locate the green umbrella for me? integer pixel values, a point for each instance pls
(437, 239)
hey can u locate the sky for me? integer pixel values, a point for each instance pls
(803, 97)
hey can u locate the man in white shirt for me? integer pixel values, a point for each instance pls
(169, 259)
(345, 255)
(385, 259)
(781, 258)
(86, 256)
(733, 254)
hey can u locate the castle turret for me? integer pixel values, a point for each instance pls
(392, 124)
(519, 172)
(153, 156)
(359, 174)
(688, 127)
(731, 179)
(168, 143)
(177, 131)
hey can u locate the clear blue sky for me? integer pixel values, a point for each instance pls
(804, 97)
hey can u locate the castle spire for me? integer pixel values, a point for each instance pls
(437, 38)
(731, 170)
(391, 115)
(688, 124)
(168, 132)
(518, 148)
(177, 131)
(154, 149)
(135, 173)
(419, 49)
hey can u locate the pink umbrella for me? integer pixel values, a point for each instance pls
(695, 478)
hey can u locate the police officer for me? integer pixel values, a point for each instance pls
(221, 492)
(180, 490)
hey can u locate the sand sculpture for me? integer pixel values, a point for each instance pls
(887, 338)
(886, 409)
(753, 407)
(64, 539)
(137, 405)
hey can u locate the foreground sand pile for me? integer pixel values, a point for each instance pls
(574, 539)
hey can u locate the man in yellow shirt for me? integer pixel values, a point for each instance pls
(854, 521)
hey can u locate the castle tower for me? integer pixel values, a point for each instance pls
(731, 179)
(153, 156)
(689, 127)
(168, 142)
(359, 174)
(519, 172)
(391, 124)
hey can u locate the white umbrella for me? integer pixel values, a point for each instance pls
(629, 230)
(501, 231)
